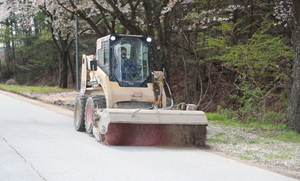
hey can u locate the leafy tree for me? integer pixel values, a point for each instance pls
(8, 38)
(261, 63)
(38, 57)
(6, 7)
(203, 75)
(61, 25)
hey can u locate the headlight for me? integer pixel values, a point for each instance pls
(112, 38)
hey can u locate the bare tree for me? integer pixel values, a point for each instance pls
(293, 114)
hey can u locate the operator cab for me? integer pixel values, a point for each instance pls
(125, 59)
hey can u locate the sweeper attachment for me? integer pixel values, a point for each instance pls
(123, 102)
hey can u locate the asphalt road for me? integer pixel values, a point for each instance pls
(38, 142)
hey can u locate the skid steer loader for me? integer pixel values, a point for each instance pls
(122, 102)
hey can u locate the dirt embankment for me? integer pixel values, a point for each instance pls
(64, 99)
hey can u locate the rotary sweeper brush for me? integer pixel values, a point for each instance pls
(123, 102)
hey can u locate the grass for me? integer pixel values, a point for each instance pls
(277, 131)
(290, 136)
(220, 137)
(274, 145)
(32, 89)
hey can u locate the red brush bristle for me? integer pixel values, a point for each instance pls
(154, 134)
(134, 134)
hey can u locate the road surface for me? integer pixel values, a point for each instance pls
(38, 142)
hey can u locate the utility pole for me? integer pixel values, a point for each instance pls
(76, 47)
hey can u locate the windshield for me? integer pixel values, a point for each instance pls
(131, 60)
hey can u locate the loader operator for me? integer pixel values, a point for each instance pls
(129, 68)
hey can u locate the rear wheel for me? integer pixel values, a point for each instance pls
(79, 113)
(93, 102)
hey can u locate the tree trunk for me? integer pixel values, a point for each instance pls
(8, 50)
(293, 114)
(71, 65)
(63, 70)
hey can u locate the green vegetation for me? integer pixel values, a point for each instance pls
(256, 140)
(268, 129)
(257, 60)
(32, 89)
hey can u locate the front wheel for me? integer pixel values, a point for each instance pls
(92, 103)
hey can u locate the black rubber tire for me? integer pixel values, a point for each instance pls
(93, 102)
(79, 113)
